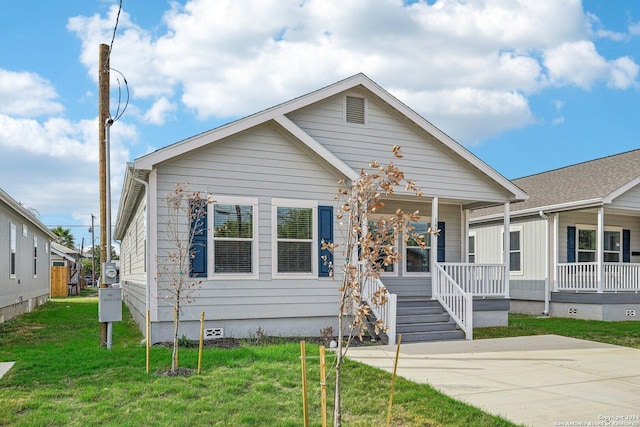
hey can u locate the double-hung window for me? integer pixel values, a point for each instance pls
(515, 249)
(234, 225)
(295, 245)
(35, 257)
(472, 247)
(12, 250)
(225, 238)
(375, 223)
(587, 246)
(417, 260)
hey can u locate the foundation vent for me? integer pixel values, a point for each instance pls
(213, 333)
(573, 311)
(631, 313)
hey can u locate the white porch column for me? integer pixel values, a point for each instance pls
(599, 247)
(433, 253)
(507, 246)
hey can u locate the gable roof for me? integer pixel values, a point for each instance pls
(139, 169)
(277, 114)
(25, 213)
(590, 183)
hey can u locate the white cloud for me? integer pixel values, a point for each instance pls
(576, 63)
(231, 58)
(159, 111)
(61, 157)
(26, 94)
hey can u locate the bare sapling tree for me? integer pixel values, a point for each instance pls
(369, 248)
(185, 226)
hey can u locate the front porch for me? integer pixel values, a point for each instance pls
(466, 294)
(595, 277)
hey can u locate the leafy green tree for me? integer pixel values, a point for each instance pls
(64, 237)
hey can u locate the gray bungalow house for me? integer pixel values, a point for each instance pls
(283, 164)
(575, 243)
(24, 265)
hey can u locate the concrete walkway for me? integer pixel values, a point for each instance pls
(544, 380)
(4, 367)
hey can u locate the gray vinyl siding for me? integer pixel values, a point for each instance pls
(628, 200)
(132, 263)
(437, 171)
(24, 287)
(529, 283)
(260, 163)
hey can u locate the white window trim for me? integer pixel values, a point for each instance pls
(294, 203)
(25, 230)
(595, 228)
(473, 234)
(429, 238)
(13, 248)
(396, 265)
(35, 257)
(517, 228)
(232, 200)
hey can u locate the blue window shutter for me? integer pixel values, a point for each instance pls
(198, 249)
(626, 245)
(441, 242)
(571, 244)
(325, 232)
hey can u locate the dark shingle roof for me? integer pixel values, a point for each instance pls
(594, 179)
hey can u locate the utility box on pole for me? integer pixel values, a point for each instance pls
(109, 273)
(109, 304)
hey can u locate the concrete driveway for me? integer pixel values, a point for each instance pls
(4, 367)
(544, 380)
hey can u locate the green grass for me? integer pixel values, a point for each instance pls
(619, 333)
(62, 377)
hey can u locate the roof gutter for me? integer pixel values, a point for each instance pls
(147, 296)
(581, 204)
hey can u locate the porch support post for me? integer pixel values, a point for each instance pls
(433, 253)
(507, 246)
(599, 247)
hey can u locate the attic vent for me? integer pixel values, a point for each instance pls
(355, 110)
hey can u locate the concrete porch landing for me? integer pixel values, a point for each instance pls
(4, 367)
(545, 380)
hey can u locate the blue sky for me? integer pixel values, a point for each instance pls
(527, 86)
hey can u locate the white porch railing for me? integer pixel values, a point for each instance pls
(387, 311)
(484, 280)
(457, 302)
(583, 276)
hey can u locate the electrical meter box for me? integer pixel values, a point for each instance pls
(109, 273)
(109, 304)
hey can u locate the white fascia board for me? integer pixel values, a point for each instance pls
(620, 191)
(518, 194)
(316, 147)
(148, 161)
(570, 206)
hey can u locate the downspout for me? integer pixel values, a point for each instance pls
(546, 262)
(147, 296)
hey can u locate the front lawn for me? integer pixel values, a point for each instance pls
(619, 333)
(63, 378)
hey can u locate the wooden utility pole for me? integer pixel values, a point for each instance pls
(103, 115)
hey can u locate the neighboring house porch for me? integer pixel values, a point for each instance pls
(577, 240)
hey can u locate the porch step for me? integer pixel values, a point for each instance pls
(421, 319)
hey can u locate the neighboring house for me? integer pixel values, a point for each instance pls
(24, 265)
(282, 165)
(575, 243)
(65, 270)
